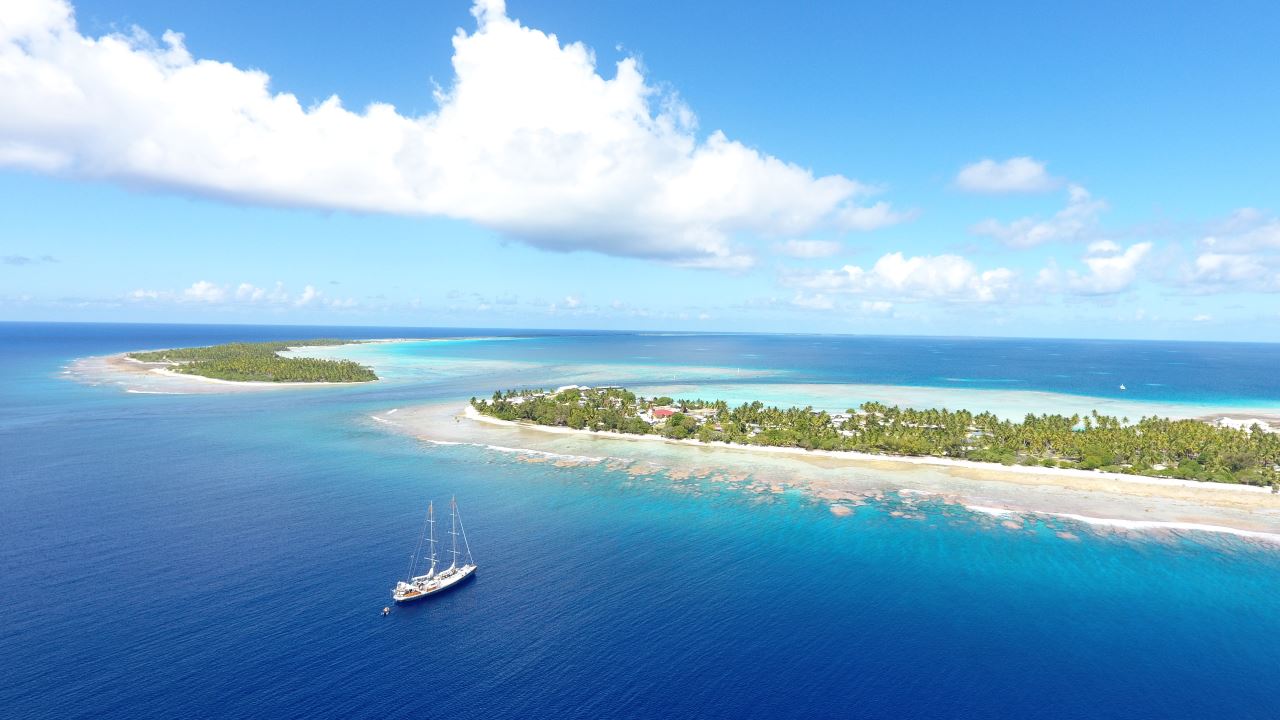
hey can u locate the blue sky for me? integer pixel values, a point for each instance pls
(823, 167)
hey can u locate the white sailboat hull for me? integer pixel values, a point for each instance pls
(426, 585)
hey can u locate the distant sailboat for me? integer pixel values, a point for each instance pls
(420, 586)
(1122, 387)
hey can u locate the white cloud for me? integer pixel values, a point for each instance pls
(877, 307)
(1223, 268)
(1241, 254)
(244, 295)
(308, 296)
(936, 277)
(205, 291)
(529, 140)
(248, 293)
(1110, 269)
(1074, 222)
(805, 249)
(1015, 175)
(1246, 230)
(871, 217)
(572, 301)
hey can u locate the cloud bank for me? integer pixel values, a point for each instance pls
(204, 292)
(948, 278)
(530, 140)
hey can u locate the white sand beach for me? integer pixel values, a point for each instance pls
(844, 480)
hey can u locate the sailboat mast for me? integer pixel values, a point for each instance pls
(453, 529)
(431, 520)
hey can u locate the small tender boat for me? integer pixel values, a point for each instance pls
(420, 586)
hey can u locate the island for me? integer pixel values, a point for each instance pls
(259, 362)
(1152, 446)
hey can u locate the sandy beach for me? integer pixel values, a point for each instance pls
(159, 378)
(845, 480)
(860, 457)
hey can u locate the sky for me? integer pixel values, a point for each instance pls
(991, 169)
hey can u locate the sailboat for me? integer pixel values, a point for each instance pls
(417, 587)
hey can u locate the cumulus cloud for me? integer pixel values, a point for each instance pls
(1076, 221)
(529, 139)
(1015, 175)
(805, 249)
(205, 291)
(1227, 269)
(308, 296)
(933, 277)
(1108, 269)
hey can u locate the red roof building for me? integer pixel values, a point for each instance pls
(663, 412)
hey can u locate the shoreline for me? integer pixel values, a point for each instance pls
(119, 368)
(253, 383)
(854, 456)
(123, 363)
(842, 482)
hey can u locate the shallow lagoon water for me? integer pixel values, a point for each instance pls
(227, 555)
(1063, 382)
(1007, 404)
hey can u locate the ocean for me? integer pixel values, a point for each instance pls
(229, 555)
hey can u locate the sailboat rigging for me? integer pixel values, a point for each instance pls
(431, 582)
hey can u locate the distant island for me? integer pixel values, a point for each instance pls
(1156, 447)
(259, 362)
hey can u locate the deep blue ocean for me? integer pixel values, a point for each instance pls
(229, 555)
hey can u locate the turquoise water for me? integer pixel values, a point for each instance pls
(1230, 374)
(228, 556)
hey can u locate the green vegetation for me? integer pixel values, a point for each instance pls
(260, 362)
(1153, 446)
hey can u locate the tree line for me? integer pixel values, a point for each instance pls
(1155, 446)
(260, 362)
